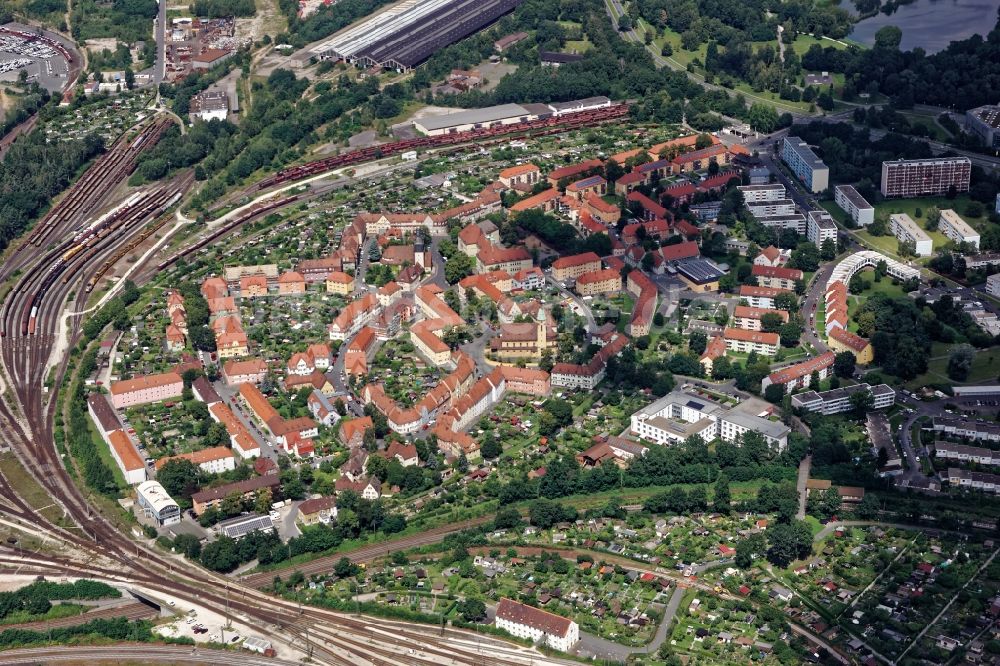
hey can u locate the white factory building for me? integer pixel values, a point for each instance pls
(156, 504)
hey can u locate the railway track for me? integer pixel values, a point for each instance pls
(542, 127)
(92, 188)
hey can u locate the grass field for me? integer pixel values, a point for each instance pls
(985, 367)
(681, 58)
(888, 244)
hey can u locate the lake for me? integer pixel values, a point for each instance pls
(931, 24)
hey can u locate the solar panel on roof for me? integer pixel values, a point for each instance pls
(240, 527)
(695, 405)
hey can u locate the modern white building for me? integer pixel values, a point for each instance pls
(905, 229)
(679, 415)
(538, 626)
(771, 208)
(993, 285)
(957, 229)
(838, 400)
(154, 501)
(855, 205)
(796, 221)
(820, 227)
(809, 168)
(759, 193)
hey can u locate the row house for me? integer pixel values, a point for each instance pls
(359, 352)
(587, 377)
(522, 177)
(496, 258)
(214, 460)
(338, 282)
(760, 297)
(570, 268)
(776, 277)
(740, 340)
(799, 375)
(203, 500)
(749, 318)
(356, 315)
(240, 439)
(650, 209)
(251, 371)
(545, 201)
(574, 170)
(315, 357)
(146, 389)
(645, 292)
(319, 270)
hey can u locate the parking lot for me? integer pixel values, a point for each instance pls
(38, 59)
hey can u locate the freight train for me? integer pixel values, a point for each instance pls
(543, 126)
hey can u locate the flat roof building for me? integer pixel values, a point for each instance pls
(957, 229)
(679, 415)
(804, 163)
(855, 205)
(929, 177)
(906, 230)
(984, 122)
(836, 401)
(820, 227)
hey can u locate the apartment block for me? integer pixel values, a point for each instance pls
(957, 229)
(820, 227)
(771, 208)
(836, 401)
(984, 122)
(739, 340)
(804, 163)
(905, 229)
(921, 178)
(855, 205)
(759, 193)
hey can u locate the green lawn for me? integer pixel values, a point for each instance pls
(985, 367)
(682, 58)
(104, 451)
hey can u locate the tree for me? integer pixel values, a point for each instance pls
(828, 504)
(762, 117)
(625, 23)
(491, 447)
(771, 322)
(888, 38)
(960, 362)
(750, 546)
(179, 477)
(471, 610)
(844, 364)
(774, 393)
(703, 141)
(343, 568)
(697, 342)
(788, 542)
(861, 402)
(722, 498)
(458, 266)
(828, 250)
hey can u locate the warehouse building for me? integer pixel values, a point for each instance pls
(406, 34)
(855, 205)
(156, 504)
(804, 163)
